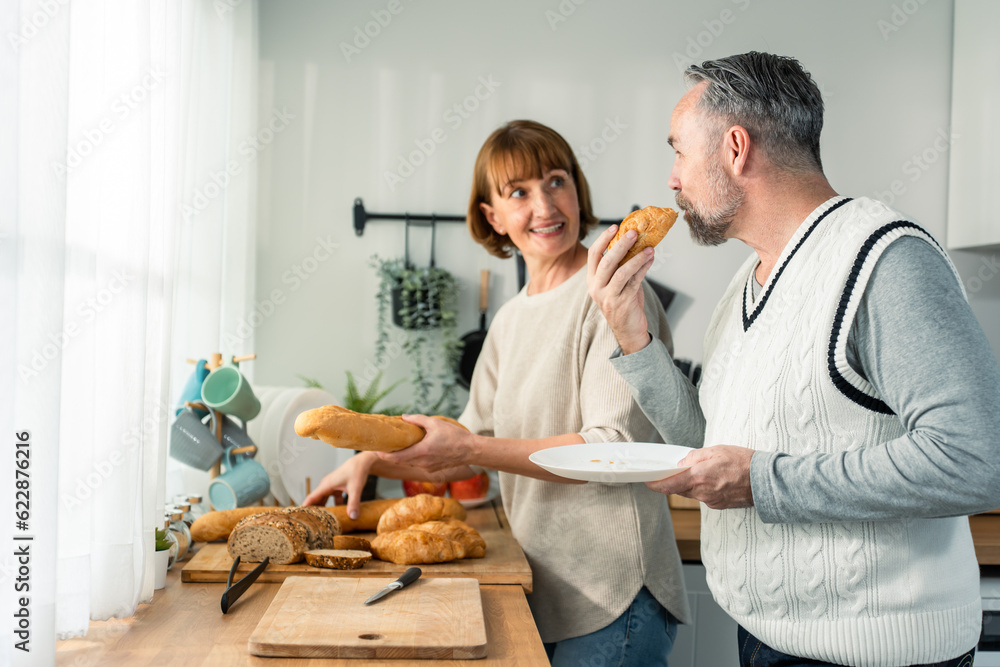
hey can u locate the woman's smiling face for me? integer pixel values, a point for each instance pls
(540, 215)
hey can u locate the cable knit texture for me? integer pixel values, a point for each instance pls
(852, 593)
(545, 370)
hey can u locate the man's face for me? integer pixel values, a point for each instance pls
(706, 192)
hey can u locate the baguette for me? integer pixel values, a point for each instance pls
(650, 223)
(345, 428)
(218, 525)
(419, 509)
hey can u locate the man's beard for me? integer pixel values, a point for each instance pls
(709, 226)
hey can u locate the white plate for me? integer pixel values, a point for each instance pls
(304, 457)
(476, 502)
(271, 439)
(612, 462)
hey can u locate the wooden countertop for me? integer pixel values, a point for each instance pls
(184, 627)
(985, 535)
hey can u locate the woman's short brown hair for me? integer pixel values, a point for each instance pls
(521, 149)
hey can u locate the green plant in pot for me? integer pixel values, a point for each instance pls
(422, 301)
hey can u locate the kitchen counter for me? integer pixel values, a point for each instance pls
(985, 535)
(184, 627)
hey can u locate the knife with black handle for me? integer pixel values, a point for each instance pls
(408, 577)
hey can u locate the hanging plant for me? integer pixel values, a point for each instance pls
(423, 302)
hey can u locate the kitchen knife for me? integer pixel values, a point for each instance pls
(408, 577)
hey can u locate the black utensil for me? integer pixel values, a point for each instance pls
(472, 342)
(234, 591)
(411, 575)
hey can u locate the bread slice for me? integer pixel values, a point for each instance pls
(280, 538)
(351, 542)
(338, 559)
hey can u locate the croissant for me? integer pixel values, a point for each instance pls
(419, 509)
(408, 547)
(457, 531)
(650, 223)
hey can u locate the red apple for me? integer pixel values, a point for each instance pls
(412, 488)
(472, 488)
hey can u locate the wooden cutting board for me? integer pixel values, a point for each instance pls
(327, 618)
(504, 562)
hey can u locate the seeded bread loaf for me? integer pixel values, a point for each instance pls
(338, 559)
(345, 428)
(281, 538)
(321, 525)
(419, 509)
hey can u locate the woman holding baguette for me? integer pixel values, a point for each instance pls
(607, 574)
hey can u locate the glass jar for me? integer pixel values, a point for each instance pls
(198, 507)
(180, 531)
(185, 507)
(170, 537)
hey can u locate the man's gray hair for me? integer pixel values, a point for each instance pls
(770, 96)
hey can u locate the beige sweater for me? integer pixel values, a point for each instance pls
(545, 370)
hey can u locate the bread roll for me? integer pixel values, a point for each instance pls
(457, 531)
(419, 509)
(338, 559)
(351, 543)
(267, 535)
(650, 223)
(345, 428)
(411, 547)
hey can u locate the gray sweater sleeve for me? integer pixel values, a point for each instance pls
(663, 393)
(918, 343)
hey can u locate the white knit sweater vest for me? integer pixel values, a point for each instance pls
(776, 379)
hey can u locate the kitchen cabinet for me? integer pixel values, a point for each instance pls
(974, 138)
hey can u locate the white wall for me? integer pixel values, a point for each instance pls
(885, 75)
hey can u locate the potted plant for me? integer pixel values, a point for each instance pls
(423, 302)
(164, 547)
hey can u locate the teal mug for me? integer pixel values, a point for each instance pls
(243, 483)
(226, 390)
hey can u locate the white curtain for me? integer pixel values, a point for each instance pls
(115, 115)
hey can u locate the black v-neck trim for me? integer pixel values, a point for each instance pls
(748, 320)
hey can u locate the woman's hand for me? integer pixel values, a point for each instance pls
(444, 446)
(349, 478)
(618, 291)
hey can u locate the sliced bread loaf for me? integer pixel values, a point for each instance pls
(280, 538)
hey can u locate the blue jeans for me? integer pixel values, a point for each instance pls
(640, 637)
(755, 653)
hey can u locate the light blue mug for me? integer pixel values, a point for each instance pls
(226, 390)
(243, 483)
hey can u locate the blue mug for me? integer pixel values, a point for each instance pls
(192, 388)
(244, 482)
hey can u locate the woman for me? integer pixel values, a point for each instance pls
(607, 575)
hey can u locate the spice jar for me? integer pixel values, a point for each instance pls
(180, 531)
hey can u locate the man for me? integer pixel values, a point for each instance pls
(849, 399)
